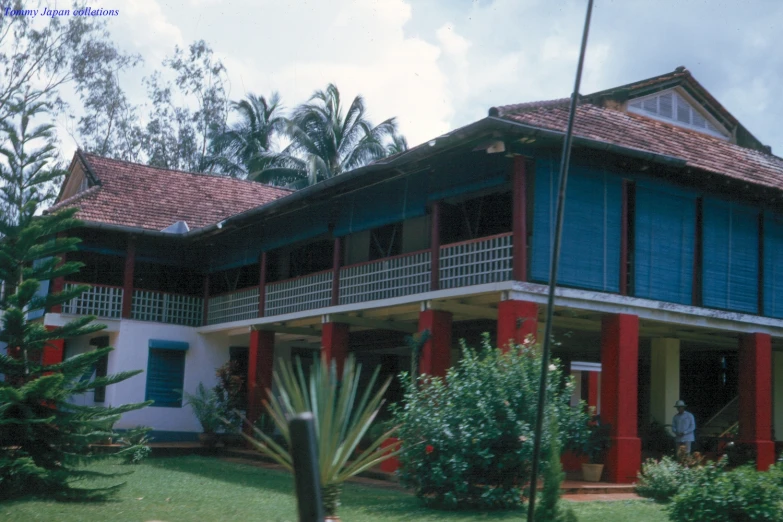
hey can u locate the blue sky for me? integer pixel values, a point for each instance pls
(438, 64)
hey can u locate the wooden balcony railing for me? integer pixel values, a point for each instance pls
(477, 261)
(385, 278)
(298, 294)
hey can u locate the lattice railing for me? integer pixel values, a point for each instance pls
(484, 260)
(302, 293)
(391, 277)
(161, 307)
(100, 300)
(236, 306)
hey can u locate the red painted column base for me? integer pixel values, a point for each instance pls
(763, 451)
(592, 389)
(623, 460)
(334, 344)
(516, 320)
(435, 358)
(53, 351)
(260, 360)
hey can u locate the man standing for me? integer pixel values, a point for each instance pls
(683, 426)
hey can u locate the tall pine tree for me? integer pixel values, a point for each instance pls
(44, 438)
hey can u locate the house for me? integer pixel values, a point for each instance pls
(671, 278)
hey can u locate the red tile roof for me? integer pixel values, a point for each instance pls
(631, 130)
(139, 196)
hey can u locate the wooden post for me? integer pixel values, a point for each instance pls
(127, 285)
(519, 218)
(435, 247)
(336, 271)
(205, 317)
(262, 285)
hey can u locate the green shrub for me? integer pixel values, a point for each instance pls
(661, 480)
(740, 495)
(468, 438)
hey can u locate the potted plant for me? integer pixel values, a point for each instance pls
(228, 393)
(594, 445)
(206, 407)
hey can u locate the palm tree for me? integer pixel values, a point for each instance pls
(245, 149)
(326, 143)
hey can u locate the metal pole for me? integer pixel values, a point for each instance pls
(554, 261)
(306, 474)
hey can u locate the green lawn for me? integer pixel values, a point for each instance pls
(206, 489)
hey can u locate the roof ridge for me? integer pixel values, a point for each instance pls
(88, 155)
(72, 199)
(501, 110)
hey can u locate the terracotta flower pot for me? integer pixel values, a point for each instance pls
(592, 472)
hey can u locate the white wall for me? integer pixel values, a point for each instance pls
(131, 351)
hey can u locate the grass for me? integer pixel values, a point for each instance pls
(202, 488)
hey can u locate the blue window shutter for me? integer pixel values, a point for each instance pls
(166, 377)
(731, 256)
(590, 249)
(773, 271)
(665, 231)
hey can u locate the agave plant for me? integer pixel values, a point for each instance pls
(342, 415)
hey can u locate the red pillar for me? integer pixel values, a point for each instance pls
(127, 283)
(755, 397)
(58, 283)
(516, 320)
(592, 389)
(435, 358)
(260, 361)
(334, 344)
(519, 218)
(619, 404)
(262, 285)
(53, 351)
(435, 247)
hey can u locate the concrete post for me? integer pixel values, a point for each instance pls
(664, 378)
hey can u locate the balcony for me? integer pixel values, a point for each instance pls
(467, 263)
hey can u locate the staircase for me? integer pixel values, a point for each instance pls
(722, 421)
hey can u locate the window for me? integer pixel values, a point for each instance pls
(674, 107)
(166, 373)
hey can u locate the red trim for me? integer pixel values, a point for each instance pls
(58, 283)
(624, 241)
(334, 344)
(336, 251)
(127, 286)
(697, 255)
(206, 300)
(761, 265)
(619, 395)
(435, 247)
(755, 399)
(262, 284)
(478, 239)
(516, 320)
(53, 351)
(519, 219)
(435, 356)
(381, 260)
(259, 373)
(592, 389)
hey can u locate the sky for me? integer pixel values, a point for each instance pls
(440, 64)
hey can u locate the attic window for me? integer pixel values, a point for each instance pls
(674, 107)
(84, 185)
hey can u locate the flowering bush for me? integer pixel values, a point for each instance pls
(661, 480)
(468, 438)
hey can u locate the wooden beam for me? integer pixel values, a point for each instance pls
(475, 312)
(287, 329)
(378, 324)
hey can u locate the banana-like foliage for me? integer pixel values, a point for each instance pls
(343, 413)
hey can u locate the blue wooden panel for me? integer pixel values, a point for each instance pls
(164, 344)
(665, 232)
(468, 173)
(381, 204)
(773, 265)
(165, 377)
(590, 249)
(731, 256)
